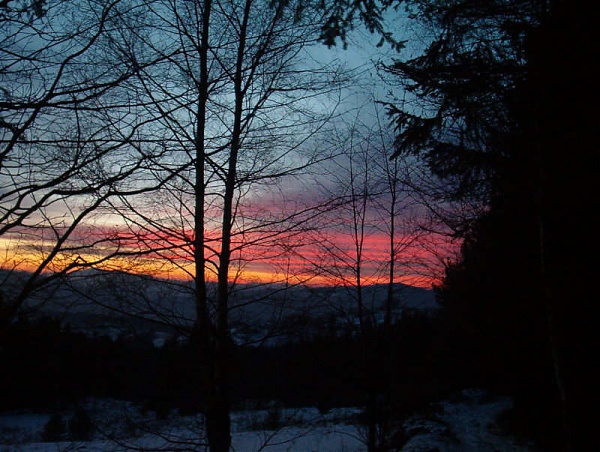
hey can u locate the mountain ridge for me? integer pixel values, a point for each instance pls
(116, 303)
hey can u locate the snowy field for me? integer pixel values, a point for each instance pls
(122, 427)
(464, 424)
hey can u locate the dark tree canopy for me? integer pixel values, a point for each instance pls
(502, 109)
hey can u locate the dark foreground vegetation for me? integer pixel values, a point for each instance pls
(421, 359)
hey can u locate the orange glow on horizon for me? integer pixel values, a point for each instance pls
(248, 276)
(261, 265)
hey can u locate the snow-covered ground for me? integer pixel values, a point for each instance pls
(466, 423)
(341, 438)
(122, 426)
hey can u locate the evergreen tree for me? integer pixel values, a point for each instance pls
(506, 119)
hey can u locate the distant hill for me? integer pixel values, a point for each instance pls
(118, 303)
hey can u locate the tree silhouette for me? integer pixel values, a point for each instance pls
(231, 106)
(59, 161)
(493, 89)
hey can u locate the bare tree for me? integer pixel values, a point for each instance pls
(67, 146)
(235, 111)
(399, 216)
(375, 210)
(373, 237)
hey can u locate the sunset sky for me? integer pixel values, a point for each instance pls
(325, 253)
(323, 256)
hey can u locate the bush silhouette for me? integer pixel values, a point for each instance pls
(81, 426)
(55, 429)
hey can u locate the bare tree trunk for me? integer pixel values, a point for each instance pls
(359, 208)
(218, 429)
(216, 406)
(390, 289)
(203, 320)
(553, 335)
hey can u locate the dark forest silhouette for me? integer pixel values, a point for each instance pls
(519, 296)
